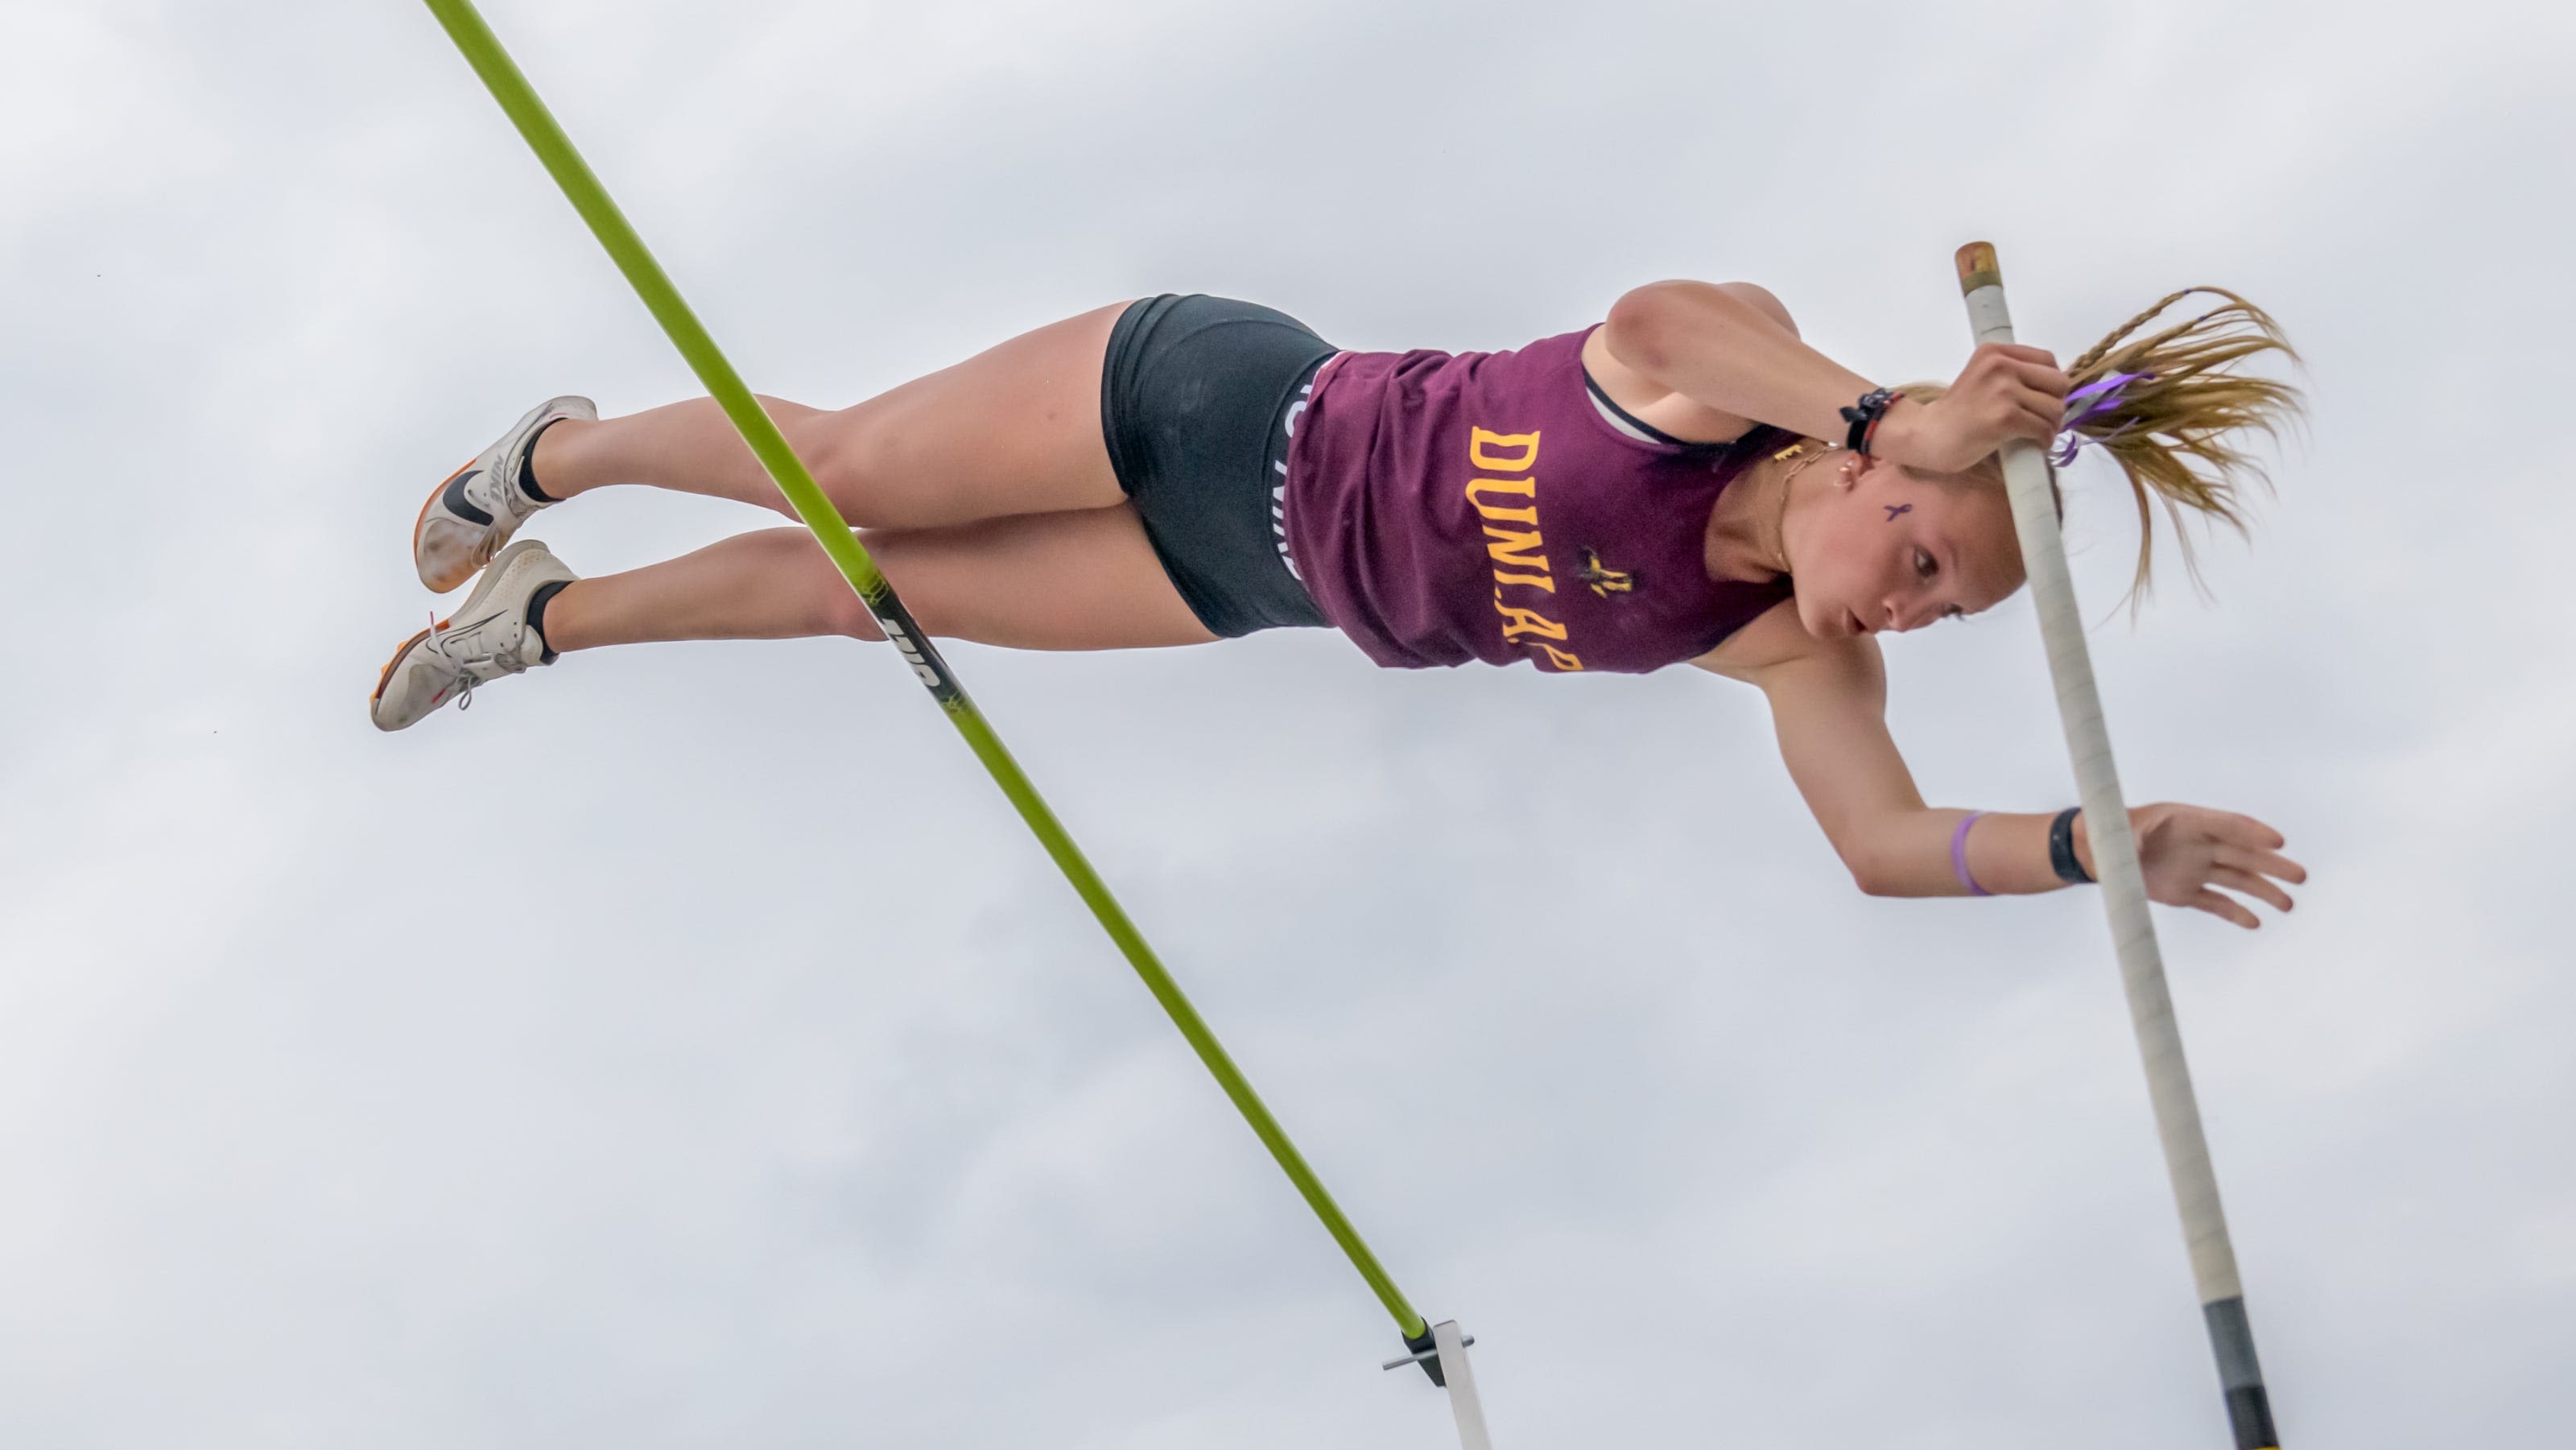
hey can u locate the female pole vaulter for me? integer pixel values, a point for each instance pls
(1686, 482)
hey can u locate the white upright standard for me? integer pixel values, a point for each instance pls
(2124, 893)
(1441, 1353)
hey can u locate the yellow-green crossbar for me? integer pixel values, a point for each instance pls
(519, 100)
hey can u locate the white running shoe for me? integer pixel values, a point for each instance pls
(471, 515)
(486, 638)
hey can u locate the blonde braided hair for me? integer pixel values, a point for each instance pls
(2174, 429)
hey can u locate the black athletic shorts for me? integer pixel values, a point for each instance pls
(1195, 401)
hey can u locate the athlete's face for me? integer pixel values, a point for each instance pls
(1886, 548)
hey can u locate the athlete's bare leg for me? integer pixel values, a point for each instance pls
(1079, 580)
(1012, 430)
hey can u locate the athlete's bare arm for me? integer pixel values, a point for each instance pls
(1615, 353)
(1719, 356)
(1728, 350)
(1829, 706)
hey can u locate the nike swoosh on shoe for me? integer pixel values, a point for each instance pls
(462, 506)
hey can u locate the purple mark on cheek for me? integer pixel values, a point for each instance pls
(1893, 509)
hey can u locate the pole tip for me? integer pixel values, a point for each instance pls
(1978, 267)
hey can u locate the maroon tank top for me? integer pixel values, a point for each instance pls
(1446, 507)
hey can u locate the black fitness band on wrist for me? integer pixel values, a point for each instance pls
(2061, 849)
(1863, 417)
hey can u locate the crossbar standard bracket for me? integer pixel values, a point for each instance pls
(1441, 1350)
(1426, 1353)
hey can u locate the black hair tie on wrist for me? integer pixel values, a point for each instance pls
(2061, 849)
(1863, 417)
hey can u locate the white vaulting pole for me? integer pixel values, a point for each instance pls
(2124, 893)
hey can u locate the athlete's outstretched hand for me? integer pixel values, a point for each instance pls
(2188, 852)
(2006, 391)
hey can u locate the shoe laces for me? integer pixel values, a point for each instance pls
(498, 661)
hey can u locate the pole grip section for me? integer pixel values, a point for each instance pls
(2249, 1409)
(2028, 479)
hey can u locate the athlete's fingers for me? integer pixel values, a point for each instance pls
(2269, 863)
(2045, 377)
(2224, 908)
(2037, 414)
(2259, 844)
(2246, 831)
(2017, 410)
(2250, 884)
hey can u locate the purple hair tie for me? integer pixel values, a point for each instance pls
(2092, 401)
(1959, 855)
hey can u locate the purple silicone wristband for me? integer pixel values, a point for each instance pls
(1959, 855)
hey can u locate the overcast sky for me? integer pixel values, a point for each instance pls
(688, 1047)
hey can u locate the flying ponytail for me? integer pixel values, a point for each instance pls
(2175, 423)
(2169, 407)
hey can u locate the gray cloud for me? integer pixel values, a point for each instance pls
(688, 1045)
